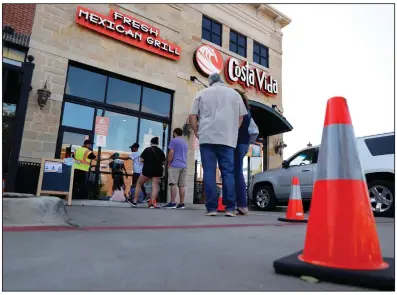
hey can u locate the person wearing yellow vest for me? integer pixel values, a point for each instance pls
(82, 156)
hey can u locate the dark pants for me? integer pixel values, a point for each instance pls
(135, 177)
(80, 190)
(241, 187)
(118, 181)
(224, 155)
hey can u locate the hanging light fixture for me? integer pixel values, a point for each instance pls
(187, 128)
(43, 95)
(280, 145)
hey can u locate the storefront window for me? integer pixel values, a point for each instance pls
(122, 132)
(78, 116)
(156, 102)
(150, 129)
(86, 84)
(71, 141)
(123, 94)
(135, 102)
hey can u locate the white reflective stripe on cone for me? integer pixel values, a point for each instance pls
(295, 193)
(338, 156)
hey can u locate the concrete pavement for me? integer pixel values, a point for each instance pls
(96, 257)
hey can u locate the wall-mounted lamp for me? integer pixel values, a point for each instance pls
(187, 128)
(278, 149)
(194, 78)
(43, 95)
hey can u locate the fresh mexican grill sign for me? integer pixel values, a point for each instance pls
(129, 30)
(208, 60)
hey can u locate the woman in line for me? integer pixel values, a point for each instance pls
(118, 173)
(153, 159)
(239, 154)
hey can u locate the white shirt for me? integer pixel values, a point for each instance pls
(137, 164)
(219, 108)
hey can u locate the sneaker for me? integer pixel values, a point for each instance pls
(230, 214)
(170, 206)
(150, 202)
(151, 206)
(133, 204)
(181, 206)
(212, 213)
(242, 211)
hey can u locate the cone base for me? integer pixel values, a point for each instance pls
(292, 220)
(382, 279)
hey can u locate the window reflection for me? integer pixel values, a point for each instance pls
(150, 129)
(78, 116)
(122, 132)
(156, 102)
(123, 94)
(86, 84)
(72, 140)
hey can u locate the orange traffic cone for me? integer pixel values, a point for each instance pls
(341, 243)
(221, 207)
(295, 207)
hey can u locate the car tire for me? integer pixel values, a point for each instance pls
(264, 197)
(382, 186)
(306, 206)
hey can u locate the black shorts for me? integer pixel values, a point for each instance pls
(150, 173)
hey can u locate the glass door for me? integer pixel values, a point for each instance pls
(70, 140)
(12, 82)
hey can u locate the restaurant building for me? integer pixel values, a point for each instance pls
(140, 66)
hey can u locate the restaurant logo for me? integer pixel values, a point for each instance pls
(208, 60)
(250, 77)
(128, 30)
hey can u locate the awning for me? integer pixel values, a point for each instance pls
(269, 121)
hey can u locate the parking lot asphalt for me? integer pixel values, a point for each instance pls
(125, 249)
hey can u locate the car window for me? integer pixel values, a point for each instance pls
(303, 158)
(380, 145)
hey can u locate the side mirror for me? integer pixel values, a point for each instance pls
(285, 164)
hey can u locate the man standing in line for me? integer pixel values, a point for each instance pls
(220, 111)
(83, 156)
(136, 166)
(177, 168)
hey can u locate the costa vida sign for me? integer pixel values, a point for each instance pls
(208, 60)
(128, 30)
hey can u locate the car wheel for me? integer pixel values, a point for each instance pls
(264, 197)
(306, 206)
(381, 196)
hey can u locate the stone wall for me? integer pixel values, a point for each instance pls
(56, 39)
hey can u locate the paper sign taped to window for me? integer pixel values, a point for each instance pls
(54, 167)
(101, 140)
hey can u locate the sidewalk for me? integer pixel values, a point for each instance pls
(140, 249)
(97, 203)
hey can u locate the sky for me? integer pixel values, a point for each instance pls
(337, 50)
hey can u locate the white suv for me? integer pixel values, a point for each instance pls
(272, 187)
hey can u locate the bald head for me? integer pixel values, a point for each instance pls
(214, 78)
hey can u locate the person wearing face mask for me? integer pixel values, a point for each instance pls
(82, 156)
(153, 159)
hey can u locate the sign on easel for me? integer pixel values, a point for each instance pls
(56, 178)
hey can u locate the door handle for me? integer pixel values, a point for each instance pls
(305, 170)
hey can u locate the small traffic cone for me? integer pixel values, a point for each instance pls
(221, 207)
(341, 243)
(295, 207)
